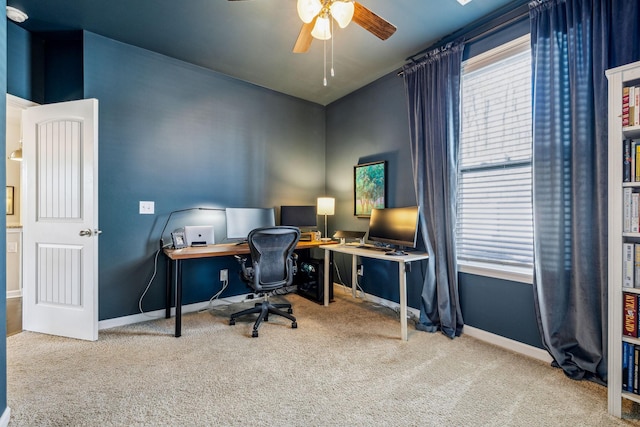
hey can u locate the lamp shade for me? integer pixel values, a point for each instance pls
(308, 9)
(326, 205)
(322, 29)
(342, 12)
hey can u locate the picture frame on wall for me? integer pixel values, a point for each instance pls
(370, 187)
(10, 191)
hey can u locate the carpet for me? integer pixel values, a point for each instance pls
(344, 365)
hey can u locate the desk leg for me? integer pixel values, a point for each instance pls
(327, 262)
(354, 276)
(402, 279)
(167, 304)
(178, 273)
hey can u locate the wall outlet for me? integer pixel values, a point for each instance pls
(360, 270)
(224, 275)
(147, 208)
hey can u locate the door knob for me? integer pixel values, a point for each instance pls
(90, 233)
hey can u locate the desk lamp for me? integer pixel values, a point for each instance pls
(326, 206)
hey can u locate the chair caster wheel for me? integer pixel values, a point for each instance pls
(290, 310)
(254, 334)
(294, 325)
(232, 322)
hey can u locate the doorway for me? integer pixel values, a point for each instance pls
(13, 256)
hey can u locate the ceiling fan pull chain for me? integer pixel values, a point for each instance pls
(325, 64)
(333, 36)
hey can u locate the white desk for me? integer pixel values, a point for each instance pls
(356, 252)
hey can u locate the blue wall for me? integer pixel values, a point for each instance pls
(184, 136)
(19, 58)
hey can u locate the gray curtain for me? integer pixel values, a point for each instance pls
(432, 88)
(573, 42)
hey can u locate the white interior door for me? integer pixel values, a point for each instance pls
(60, 205)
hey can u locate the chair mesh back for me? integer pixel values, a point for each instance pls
(271, 250)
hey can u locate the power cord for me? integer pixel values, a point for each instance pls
(396, 310)
(345, 288)
(225, 284)
(153, 276)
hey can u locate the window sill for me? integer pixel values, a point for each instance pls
(514, 274)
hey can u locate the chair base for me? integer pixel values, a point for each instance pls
(265, 308)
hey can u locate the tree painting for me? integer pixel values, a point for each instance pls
(369, 187)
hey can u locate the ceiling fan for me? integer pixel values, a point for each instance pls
(316, 16)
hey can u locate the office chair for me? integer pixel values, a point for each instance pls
(273, 267)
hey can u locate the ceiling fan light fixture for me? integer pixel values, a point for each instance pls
(308, 9)
(322, 29)
(16, 15)
(342, 12)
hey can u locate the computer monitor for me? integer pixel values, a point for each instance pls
(395, 226)
(303, 217)
(240, 221)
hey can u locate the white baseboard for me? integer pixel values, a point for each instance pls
(6, 416)
(14, 294)
(509, 344)
(414, 313)
(482, 335)
(159, 314)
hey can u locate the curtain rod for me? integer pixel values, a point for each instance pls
(480, 28)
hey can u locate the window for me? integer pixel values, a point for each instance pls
(495, 219)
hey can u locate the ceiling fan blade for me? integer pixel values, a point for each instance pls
(372, 22)
(304, 38)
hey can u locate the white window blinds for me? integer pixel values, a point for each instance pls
(495, 220)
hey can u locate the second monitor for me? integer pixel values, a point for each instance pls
(303, 217)
(240, 221)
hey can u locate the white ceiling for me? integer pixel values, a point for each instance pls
(252, 40)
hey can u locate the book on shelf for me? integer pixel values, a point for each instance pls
(626, 380)
(630, 314)
(635, 119)
(628, 266)
(637, 156)
(626, 209)
(636, 266)
(625, 106)
(636, 353)
(626, 160)
(634, 212)
(631, 106)
(633, 160)
(630, 353)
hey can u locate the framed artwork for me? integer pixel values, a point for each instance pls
(370, 187)
(9, 200)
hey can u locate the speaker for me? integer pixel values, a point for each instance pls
(310, 280)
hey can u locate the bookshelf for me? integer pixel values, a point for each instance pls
(619, 232)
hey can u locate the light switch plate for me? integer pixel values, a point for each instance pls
(147, 208)
(12, 247)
